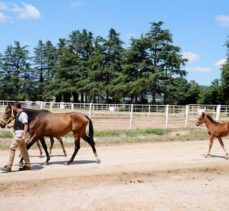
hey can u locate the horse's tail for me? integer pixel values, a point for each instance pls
(91, 129)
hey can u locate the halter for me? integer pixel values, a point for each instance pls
(10, 119)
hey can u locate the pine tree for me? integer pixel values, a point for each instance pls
(166, 60)
(225, 77)
(16, 72)
(135, 65)
(113, 61)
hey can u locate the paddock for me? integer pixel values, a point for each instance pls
(158, 175)
(146, 176)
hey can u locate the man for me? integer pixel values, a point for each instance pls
(20, 129)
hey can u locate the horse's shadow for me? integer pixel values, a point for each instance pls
(214, 156)
(36, 167)
(73, 163)
(38, 156)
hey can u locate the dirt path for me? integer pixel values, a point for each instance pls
(152, 176)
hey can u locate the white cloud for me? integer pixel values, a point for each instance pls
(223, 20)
(23, 11)
(192, 57)
(78, 3)
(26, 11)
(199, 69)
(3, 18)
(219, 63)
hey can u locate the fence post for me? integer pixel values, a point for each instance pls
(51, 104)
(218, 112)
(41, 105)
(131, 115)
(166, 116)
(186, 116)
(90, 108)
(72, 106)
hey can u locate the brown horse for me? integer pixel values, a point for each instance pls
(60, 124)
(215, 129)
(57, 124)
(9, 115)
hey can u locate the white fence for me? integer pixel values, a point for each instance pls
(133, 116)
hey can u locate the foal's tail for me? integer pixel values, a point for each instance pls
(91, 129)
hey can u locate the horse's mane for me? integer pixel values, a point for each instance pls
(211, 119)
(33, 113)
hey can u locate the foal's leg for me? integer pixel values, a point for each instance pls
(45, 149)
(91, 142)
(51, 145)
(39, 147)
(222, 145)
(77, 147)
(62, 145)
(210, 146)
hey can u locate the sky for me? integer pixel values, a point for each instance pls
(199, 27)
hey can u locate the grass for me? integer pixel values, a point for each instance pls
(6, 134)
(131, 133)
(108, 137)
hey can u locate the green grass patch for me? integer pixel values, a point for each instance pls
(128, 133)
(131, 133)
(6, 134)
(108, 137)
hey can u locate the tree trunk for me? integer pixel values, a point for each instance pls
(81, 97)
(58, 98)
(154, 92)
(75, 97)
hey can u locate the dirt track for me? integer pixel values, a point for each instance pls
(152, 176)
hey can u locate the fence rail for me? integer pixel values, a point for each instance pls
(133, 116)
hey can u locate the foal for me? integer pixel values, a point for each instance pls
(215, 129)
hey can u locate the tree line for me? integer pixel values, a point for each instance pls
(84, 68)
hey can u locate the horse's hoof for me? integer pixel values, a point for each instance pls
(67, 163)
(46, 163)
(227, 158)
(98, 161)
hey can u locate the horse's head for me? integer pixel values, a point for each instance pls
(7, 116)
(201, 119)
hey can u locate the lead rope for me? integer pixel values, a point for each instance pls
(12, 132)
(9, 120)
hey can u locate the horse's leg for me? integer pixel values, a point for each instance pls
(39, 147)
(51, 145)
(91, 142)
(62, 145)
(210, 146)
(222, 145)
(77, 147)
(45, 149)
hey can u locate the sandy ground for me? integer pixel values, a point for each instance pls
(151, 176)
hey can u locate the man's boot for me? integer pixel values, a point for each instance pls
(9, 165)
